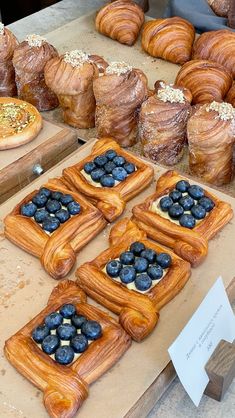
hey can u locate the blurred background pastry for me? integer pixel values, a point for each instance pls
(8, 43)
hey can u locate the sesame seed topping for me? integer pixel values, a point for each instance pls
(35, 40)
(167, 93)
(1, 28)
(118, 68)
(76, 58)
(225, 110)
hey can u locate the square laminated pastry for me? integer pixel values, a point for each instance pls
(53, 225)
(65, 348)
(109, 177)
(134, 278)
(182, 216)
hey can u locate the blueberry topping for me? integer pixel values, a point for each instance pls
(97, 173)
(92, 330)
(107, 181)
(175, 195)
(127, 257)
(63, 215)
(164, 260)
(66, 199)
(28, 209)
(89, 167)
(182, 186)
(39, 200)
(39, 333)
(64, 355)
(196, 192)
(50, 344)
(56, 195)
(155, 272)
(100, 161)
(186, 202)
(127, 274)
(41, 215)
(206, 203)
(187, 220)
(113, 268)
(198, 212)
(53, 320)
(143, 282)
(165, 203)
(141, 264)
(45, 191)
(50, 224)
(149, 254)
(119, 173)
(68, 310)
(78, 320)
(175, 211)
(119, 161)
(129, 167)
(137, 247)
(109, 167)
(53, 206)
(110, 154)
(74, 208)
(66, 331)
(79, 343)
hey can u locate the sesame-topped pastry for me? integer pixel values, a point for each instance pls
(211, 135)
(162, 123)
(8, 43)
(119, 93)
(29, 60)
(71, 78)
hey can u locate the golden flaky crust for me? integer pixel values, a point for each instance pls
(8, 43)
(120, 20)
(118, 98)
(162, 127)
(66, 387)
(57, 252)
(29, 62)
(217, 46)
(230, 98)
(206, 80)
(74, 88)
(99, 62)
(170, 39)
(210, 141)
(190, 244)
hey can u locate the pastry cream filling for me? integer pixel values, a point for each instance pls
(1, 28)
(13, 118)
(35, 40)
(225, 110)
(167, 93)
(118, 68)
(76, 58)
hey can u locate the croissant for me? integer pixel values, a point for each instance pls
(29, 60)
(8, 43)
(217, 46)
(119, 94)
(210, 132)
(220, 7)
(120, 20)
(71, 78)
(206, 80)
(230, 98)
(162, 123)
(170, 39)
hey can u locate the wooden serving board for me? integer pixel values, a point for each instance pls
(51, 145)
(136, 382)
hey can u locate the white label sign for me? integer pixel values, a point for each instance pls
(213, 321)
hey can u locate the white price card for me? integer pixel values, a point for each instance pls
(212, 322)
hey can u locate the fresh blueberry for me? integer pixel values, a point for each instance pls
(129, 167)
(186, 202)
(39, 333)
(97, 173)
(56, 195)
(64, 355)
(155, 272)
(119, 173)
(45, 191)
(110, 154)
(165, 203)
(66, 331)
(39, 200)
(143, 282)
(53, 320)
(28, 209)
(187, 220)
(63, 215)
(92, 330)
(74, 208)
(79, 343)
(149, 254)
(113, 268)
(68, 310)
(137, 247)
(182, 186)
(119, 161)
(127, 274)
(175, 211)
(196, 192)
(141, 264)
(53, 206)
(78, 320)
(198, 211)
(66, 199)
(107, 181)
(164, 260)
(109, 167)
(89, 167)
(50, 224)
(41, 215)
(50, 344)
(206, 203)
(100, 161)
(127, 257)
(175, 195)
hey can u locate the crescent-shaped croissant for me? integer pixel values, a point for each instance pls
(210, 132)
(71, 78)
(8, 43)
(162, 123)
(119, 94)
(29, 60)
(217, 46)
(230, 98)
(170, 39)
(120, 20)
(206, 80)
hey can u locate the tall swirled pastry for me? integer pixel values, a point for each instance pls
(210, 132)
(120, 20)
(170, 39)
(119, 94)
(29, 60)
(230, 98)
(162, 123)
(8, 43)
(71, 78)
(206, 80)
(217, 46)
